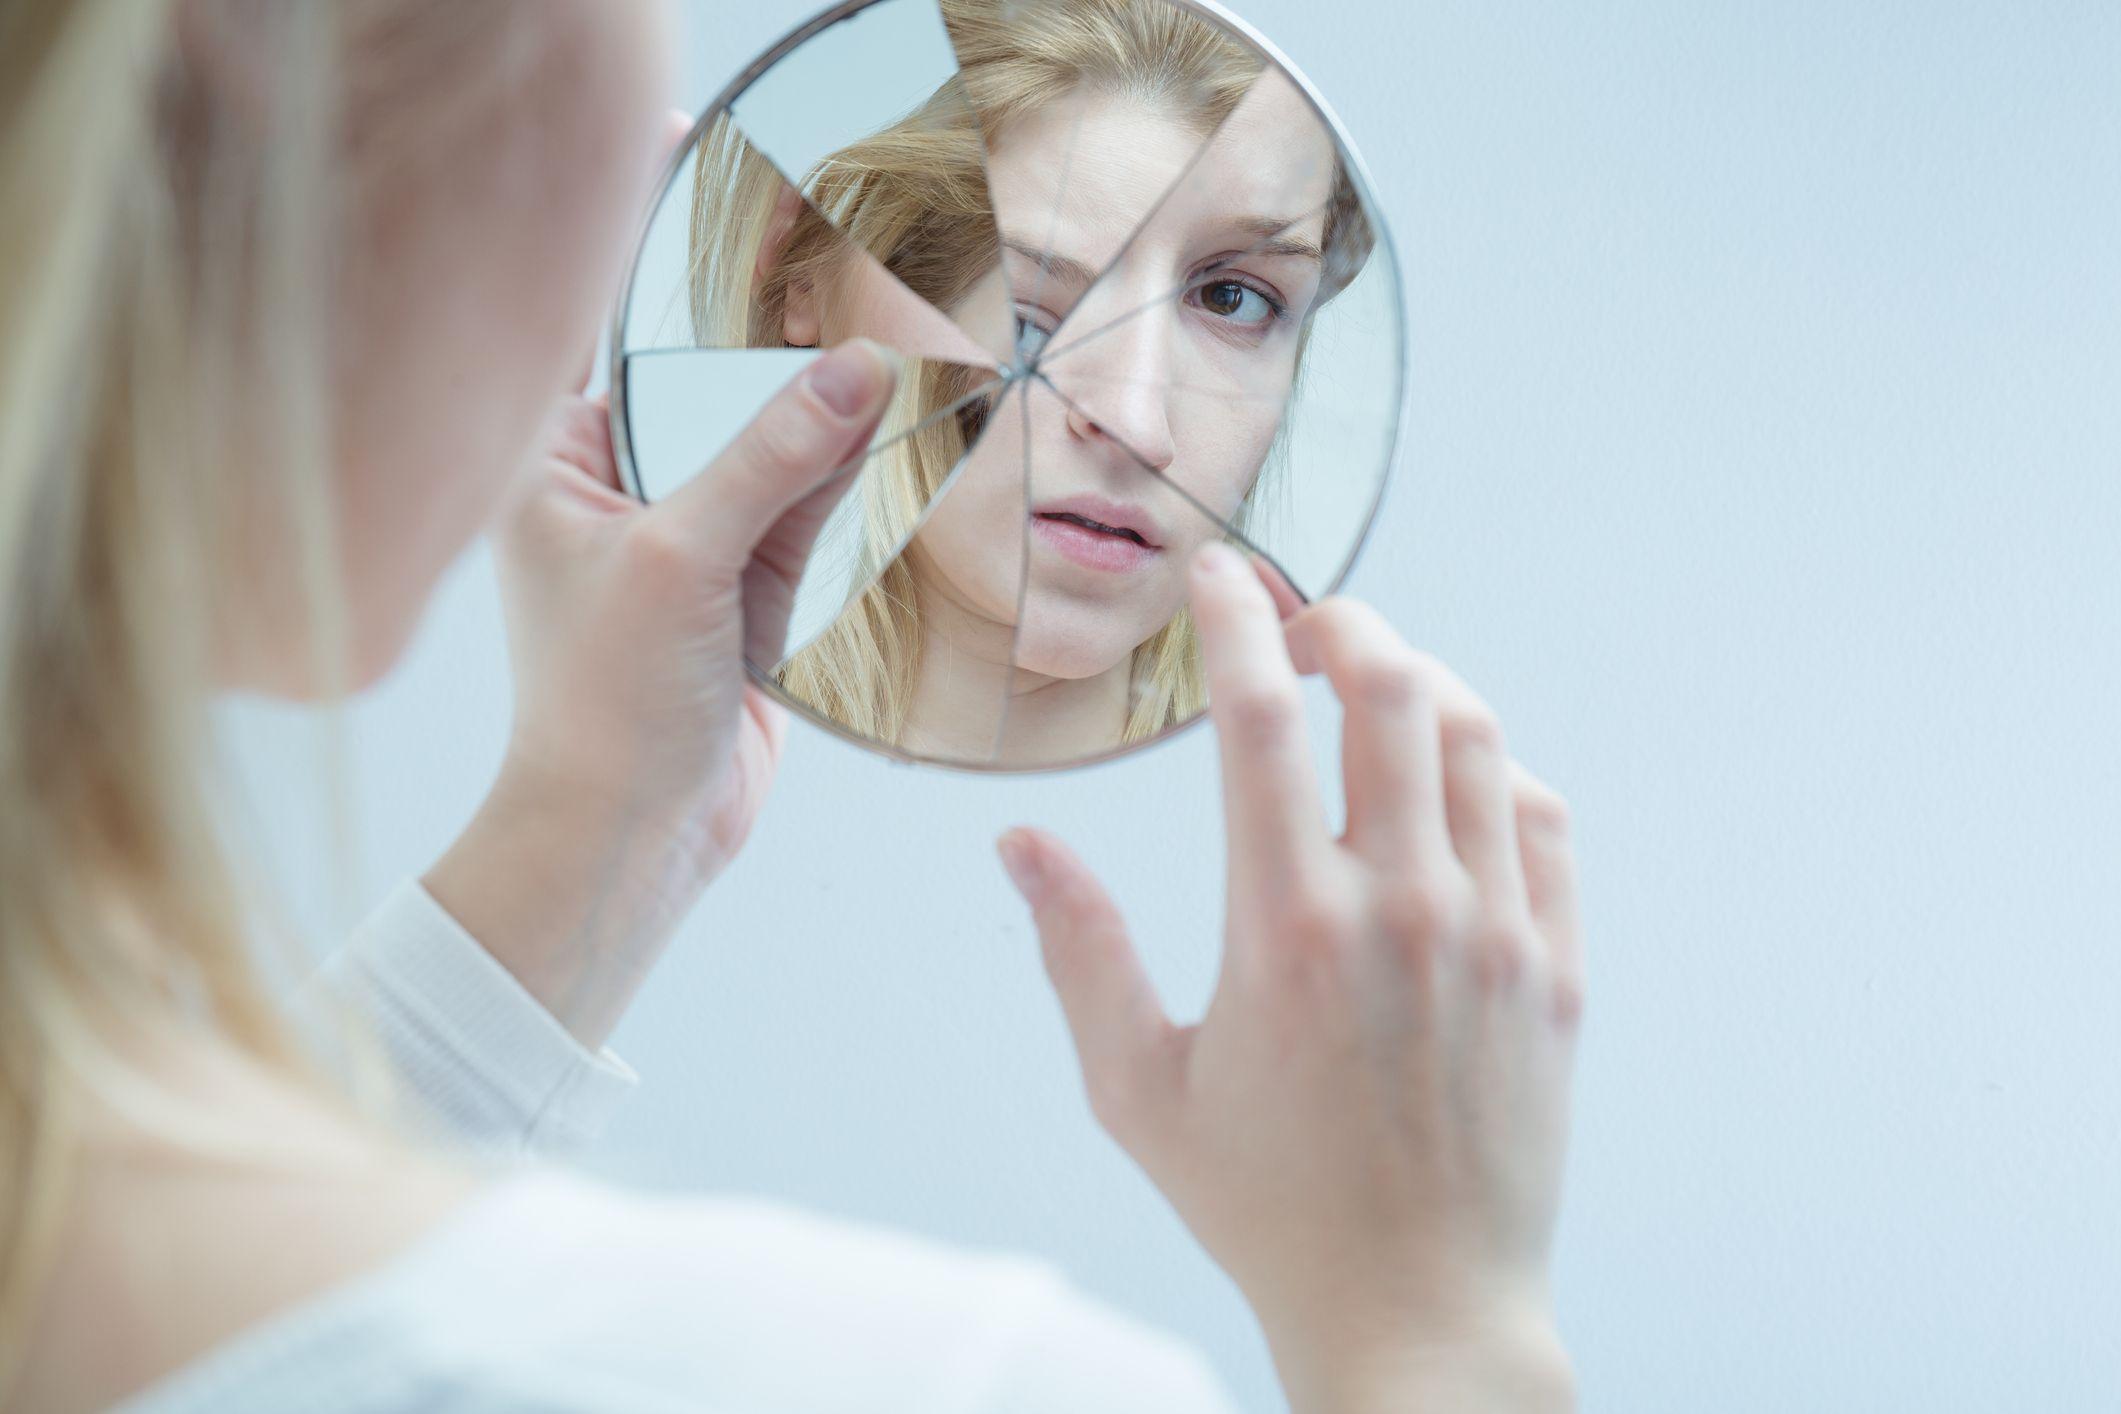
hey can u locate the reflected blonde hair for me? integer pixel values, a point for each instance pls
(915, 197)
(164, 275)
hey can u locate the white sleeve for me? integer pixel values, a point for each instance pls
(481, 1058)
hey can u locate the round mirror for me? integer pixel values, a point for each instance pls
(1143, 298)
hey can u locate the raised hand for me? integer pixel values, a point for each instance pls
(641, 753)
(1367, 1127)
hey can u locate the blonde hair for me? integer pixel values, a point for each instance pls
(915, 197)
(164, 276)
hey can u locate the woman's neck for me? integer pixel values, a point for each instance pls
(972, 703)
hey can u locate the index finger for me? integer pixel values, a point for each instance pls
(1287, 602)
(1270, 790)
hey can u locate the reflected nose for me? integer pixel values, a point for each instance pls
(1120, 391)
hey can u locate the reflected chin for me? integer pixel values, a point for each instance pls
(1073, 641)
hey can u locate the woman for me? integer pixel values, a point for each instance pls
(252, 402)
(1090, 159)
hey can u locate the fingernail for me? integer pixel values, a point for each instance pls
(1022, 862)
(848, 379)
(1216, 558)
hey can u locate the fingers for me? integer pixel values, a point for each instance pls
(1270, 792)
(1477, 799)
(1390, 753)
(1423, 757)
(816, 424)
(1549, 858)
(1120, 1030)
(1391, 760)
(1287, 601)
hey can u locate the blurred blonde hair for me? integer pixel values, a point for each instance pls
(165, 267)
(915, 196)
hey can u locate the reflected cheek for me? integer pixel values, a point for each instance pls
(972, 544)
(1221, 453)
(1179, 552)
(865, 302)
(850, 294)
(1222, 487)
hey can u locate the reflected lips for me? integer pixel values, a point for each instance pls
(1099, 534)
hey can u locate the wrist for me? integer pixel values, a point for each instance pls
(1499, 1361)
(624, 788)
(576, 892)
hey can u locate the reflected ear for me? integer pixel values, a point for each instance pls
(799, 318)
(800, 326)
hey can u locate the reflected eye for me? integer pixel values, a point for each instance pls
(1237, 302)
(1030, 338)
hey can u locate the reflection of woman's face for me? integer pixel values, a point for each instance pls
(1193, 385)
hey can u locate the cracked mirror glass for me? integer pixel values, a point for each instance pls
(1142, 300)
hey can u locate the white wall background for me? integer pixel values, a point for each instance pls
(1765, 471)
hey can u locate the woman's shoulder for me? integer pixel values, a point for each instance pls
(548, 1291)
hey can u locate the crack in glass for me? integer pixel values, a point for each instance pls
(689, 314)
(1169, 385)
(1023, 591)
(961, 40)
(861, 103)
(875, 555)
(888, 436)
(1265, 241)
(1206, 512)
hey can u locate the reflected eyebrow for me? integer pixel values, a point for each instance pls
(1272, 227)
(1058, 266)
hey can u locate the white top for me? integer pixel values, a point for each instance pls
(549, 1292)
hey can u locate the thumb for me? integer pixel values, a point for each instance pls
(803, 439)
(1122, 1037)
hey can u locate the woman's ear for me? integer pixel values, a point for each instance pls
(799, 314)
(800, 325)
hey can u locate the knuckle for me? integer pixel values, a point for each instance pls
(1472, 730)
(1334, 619)
(1104, 1093)
(1262, 716)
(1115, 1098)
(1082, 915)
(1541, 808)
(1500, 953)
(1417, 916)
(1387, 680)
(786, 439)
(657, 552)
(1568, 998)
(1316, 925)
